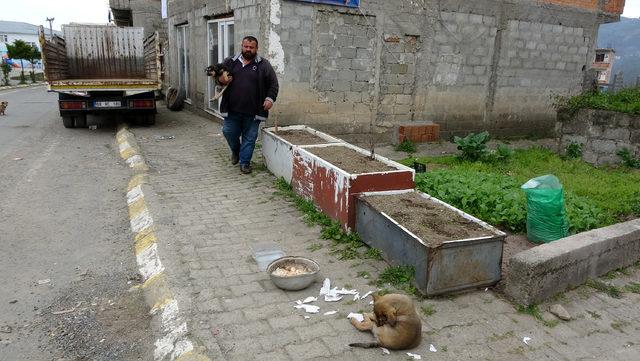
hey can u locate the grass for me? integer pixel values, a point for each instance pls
(610, 290)
(428, 310)
(625, 101)
(594, 197)
(619, 325)
(632, 287)
(314, 247)
(534, 311)
(406, 146)
(400, 277)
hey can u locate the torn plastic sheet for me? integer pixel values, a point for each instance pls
(308, 308)
(307, 300)
(432, 348)
(356, 297)
(329, 313)
(358, 316)
(326, 287)
(385, 351)
(414, 355)
(526, 340)
(366, 295)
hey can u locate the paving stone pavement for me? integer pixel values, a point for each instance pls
(208, 216)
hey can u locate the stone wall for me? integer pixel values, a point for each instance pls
(465, 65)
(601, 133)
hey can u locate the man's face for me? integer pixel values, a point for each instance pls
(249, 49)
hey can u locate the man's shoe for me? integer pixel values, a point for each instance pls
(245, 168)
(235, 158)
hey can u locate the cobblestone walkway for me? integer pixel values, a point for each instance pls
(208, 217)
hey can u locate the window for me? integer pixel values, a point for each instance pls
(599, 58)
(4, 38)
(220, 34)
(183, 58)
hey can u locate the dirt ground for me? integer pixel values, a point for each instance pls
(300, 137)
(431, 222)
(349, 160)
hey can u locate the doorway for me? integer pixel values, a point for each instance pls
(220, 34)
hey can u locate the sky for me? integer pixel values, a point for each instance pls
(95, 11)
(64, 11)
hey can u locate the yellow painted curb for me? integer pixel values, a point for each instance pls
(128, 153)
(137, 207)
(137, 180)
(145, 242)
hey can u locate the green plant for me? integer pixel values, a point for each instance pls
(6, 69)
(611, 290)
(626, 101)
(473, 146)
(628, 159)
(534, 311)
(632, 287)
(428, 310)
(314, 247)
(406, 146)
(373, 253)
(573, 150)
(400, 277)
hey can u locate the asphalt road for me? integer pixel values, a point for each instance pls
(66, 256)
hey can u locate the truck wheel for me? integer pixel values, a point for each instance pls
(175, 98)
(81, 121)
(146, 119)
(68, 121)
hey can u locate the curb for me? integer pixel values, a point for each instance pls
(173, 341)
(22, 86)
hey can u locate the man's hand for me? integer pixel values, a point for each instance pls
(267, 104)
(225, 80)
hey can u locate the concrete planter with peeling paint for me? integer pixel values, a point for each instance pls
(278, 152)
(452, 266)
(334, 190)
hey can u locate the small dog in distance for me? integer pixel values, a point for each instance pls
(3, 107)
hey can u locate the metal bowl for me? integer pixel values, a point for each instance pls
(293, 283)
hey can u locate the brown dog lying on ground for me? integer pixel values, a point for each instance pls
(395, 324)
(3, 107)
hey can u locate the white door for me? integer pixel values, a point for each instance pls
(221, 45)
(183, 58)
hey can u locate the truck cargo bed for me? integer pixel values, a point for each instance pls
(103, 84)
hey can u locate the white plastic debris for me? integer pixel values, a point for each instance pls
(385, 351)
(356, 297)
(358, 316)
(307, 300)
(371, 302)
(526, 340)
(326, 287)
(414, 355)
(345, 291)
(329, 313)
(308, 308)
(307, 317)
(432, 348)
(44, 281)
(332, 298)
(366, 295)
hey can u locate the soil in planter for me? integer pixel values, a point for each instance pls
(349, 160)
(431, 222)
(300, 137)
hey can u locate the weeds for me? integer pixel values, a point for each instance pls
(428, 310)
(610, 290)
(534, 311)
(573, 151)
(632, 287)
(400, 277)
(314, 247)
(628, 159)
(625, 101)
(373, 253)
(406, 146)
(619, 325)
(473, 146)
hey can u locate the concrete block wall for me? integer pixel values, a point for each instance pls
(466, 65)
(601, 133)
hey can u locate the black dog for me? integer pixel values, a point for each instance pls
(218, 71)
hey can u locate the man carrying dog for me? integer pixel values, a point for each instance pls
(251, 92)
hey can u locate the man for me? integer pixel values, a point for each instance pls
(250, 94)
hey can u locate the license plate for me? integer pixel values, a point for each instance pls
(109, 104)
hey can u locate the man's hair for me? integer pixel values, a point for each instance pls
(251, 38)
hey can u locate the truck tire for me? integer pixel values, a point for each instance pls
(175, 98)
(146, 119)
(68, 121)
(81, 121)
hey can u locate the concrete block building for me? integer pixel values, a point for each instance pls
(355, 67)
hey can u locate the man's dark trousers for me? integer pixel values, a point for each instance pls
(237, 125)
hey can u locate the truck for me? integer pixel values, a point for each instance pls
(100, 69)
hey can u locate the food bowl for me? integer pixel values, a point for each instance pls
(295, 282)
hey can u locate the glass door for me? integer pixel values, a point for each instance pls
(220, 45)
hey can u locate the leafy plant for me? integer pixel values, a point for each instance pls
(373, 253)
(473, 146)
(628, 159)
(626, 101)
(501, 154)
(406, 146)
(400, 277)
(573, 150)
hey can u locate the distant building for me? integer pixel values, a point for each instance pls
(15, 30)
(603, 64)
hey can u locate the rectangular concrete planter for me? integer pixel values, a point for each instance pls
(333, 190)
(537, 274)
(455, 265)
(278, 152)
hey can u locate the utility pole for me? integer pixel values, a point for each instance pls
(50, 20)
